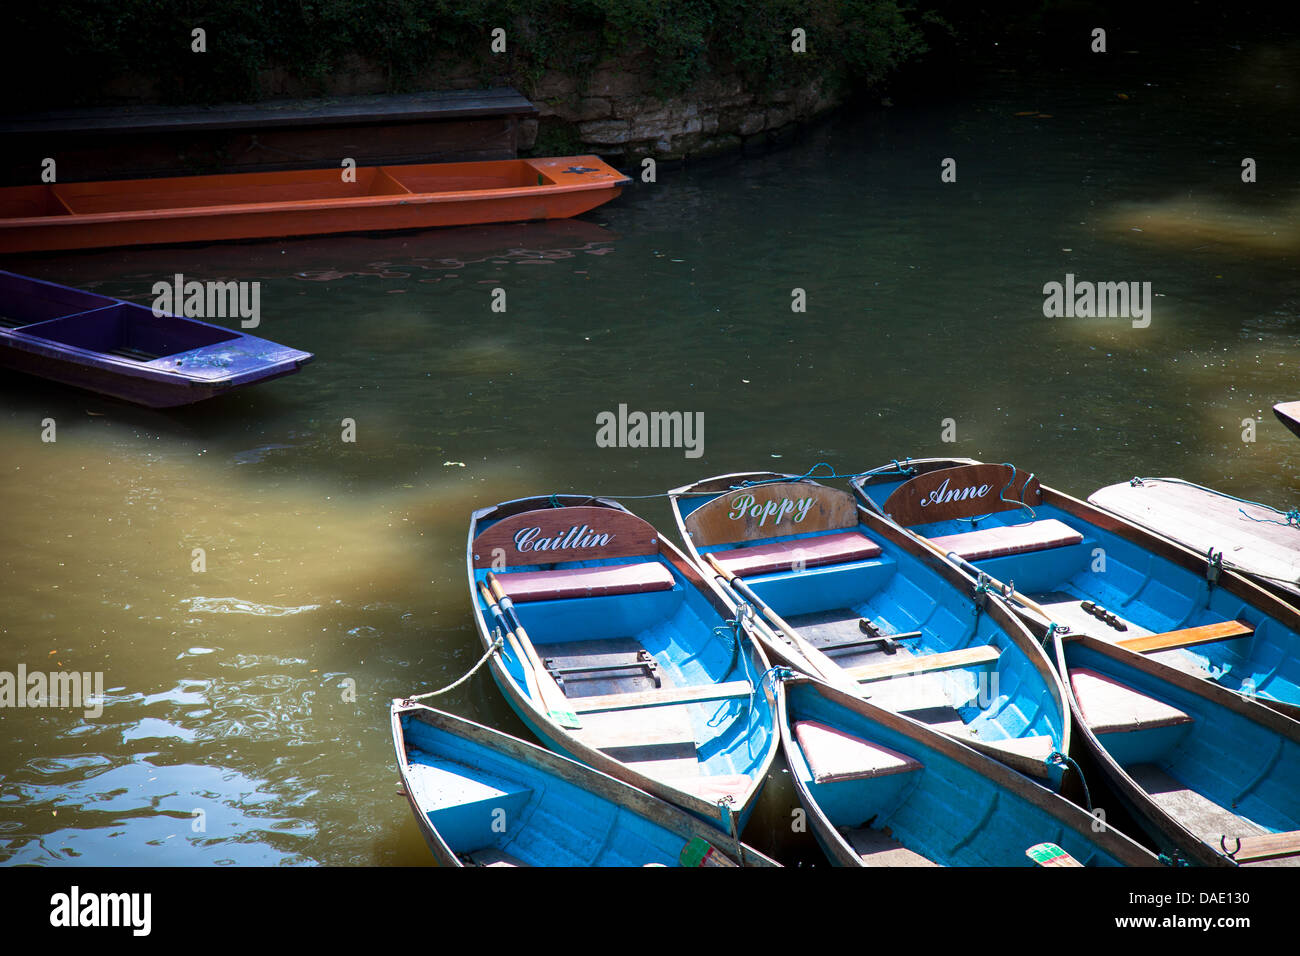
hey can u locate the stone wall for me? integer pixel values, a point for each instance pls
(615, 113)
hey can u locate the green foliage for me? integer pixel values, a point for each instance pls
(85, 44)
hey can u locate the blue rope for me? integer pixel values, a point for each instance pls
(1002, 496)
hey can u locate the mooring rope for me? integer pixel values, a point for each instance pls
(496, 646)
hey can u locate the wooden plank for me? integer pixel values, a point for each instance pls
(551, 535)
(1188, 637)
(1267, 847)
(948, 660)
(622, 729)
(960, 493)
(491, 856)
(1202, 816)
(1250, 536)
(878, 848)
(661, 698)
(767, 511)
(369, 109)
(1288, 413)
(1111, 707)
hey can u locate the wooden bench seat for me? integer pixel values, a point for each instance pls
(877, 848)
(1003, 540)
(1188, 637)
(1269, 846)
(586, 582)
(491, 856)
(978, 656)
(661, 698)
(833, 755)
(1110, 707)
(839, 548)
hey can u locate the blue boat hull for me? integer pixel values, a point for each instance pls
(1146, 584)
(123, 350)
(725, 745)
(483, 797)
(929, 800)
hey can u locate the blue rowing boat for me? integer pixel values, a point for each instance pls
(484, 798)
(883, 790)
(848, 597)
(1212, 776)
(1078, 568)
(122, 349)
(617, 652)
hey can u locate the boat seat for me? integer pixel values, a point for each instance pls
(1268, 846)
(661, 698)
(586, 582)
(713, 787)
(832, 755)
(1003, 540)
(1110, 707)
(838, 548)
(491, 856)
(1188, 637)
(977, 656)
(877, 848)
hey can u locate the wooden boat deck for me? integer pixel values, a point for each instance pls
(1202, 816)
(877, 848)
(1201, 519)
(1288, 413)
(154, 140)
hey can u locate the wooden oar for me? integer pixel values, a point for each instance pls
(552, 698)
(1049, 854)
(1002, 588)
(824, 667)
(534, 691)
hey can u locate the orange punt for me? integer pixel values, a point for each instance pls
(137, 212)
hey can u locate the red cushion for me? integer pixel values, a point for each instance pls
(1009, 539)
(586, 582)
(781, 556)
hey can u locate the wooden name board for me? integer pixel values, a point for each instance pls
(552, 535)
(768, 511)
(961, 492)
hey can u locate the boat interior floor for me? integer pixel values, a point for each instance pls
(611, 665)
(877, 848)
(1198, 813)
(838, 634)
(1067, 609)
(657, 741)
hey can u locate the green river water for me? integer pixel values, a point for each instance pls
(332, 565)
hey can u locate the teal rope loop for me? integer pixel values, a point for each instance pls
(1002, 496)
(1056, 758)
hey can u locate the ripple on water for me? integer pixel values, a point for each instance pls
(230, 605)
